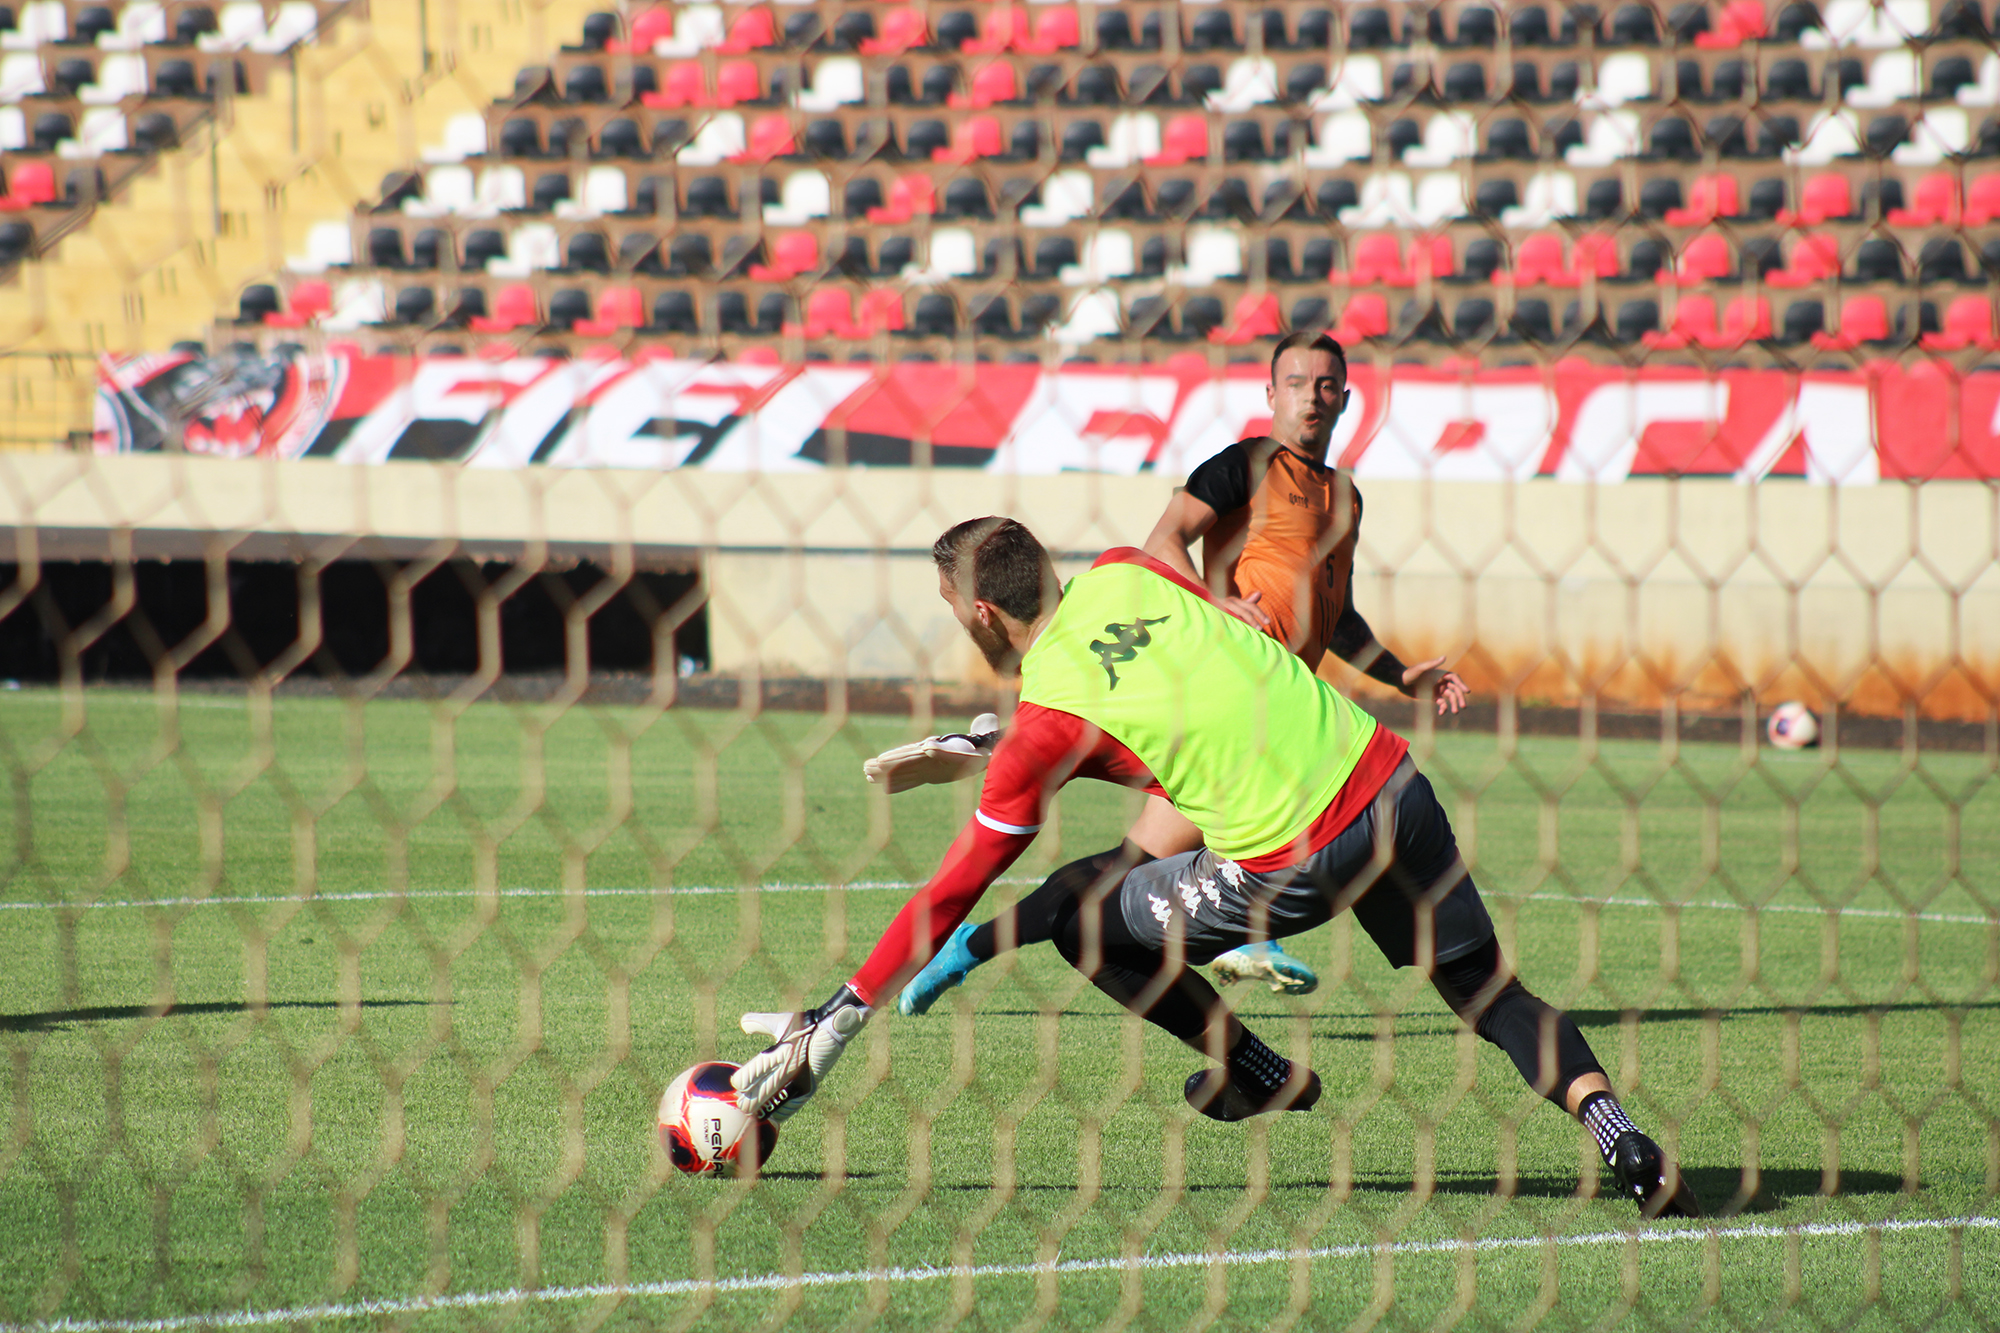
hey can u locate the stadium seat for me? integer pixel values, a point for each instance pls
(648, 30)
(1815, 258)
(754, 29)
(1739, 22)
(771, 137)
(1705, 258)
(1746, 319)
(1939, 134)
(1066, 197)
(993, 85)
(29, 184)
(310, 301)
(1982, 200)
(829, 313)
(1824, 198)
(617, 308)
(1968, 323)
(1255, 316)
(1251, 82)
(1694, 325)
(903, 30)
(1107, 253)
(1005, 23)
(837, 81)
(1449, 136)
(881, 312)
(909, 196)
(682, 85)
(140, 23)
(1184, 139)
(1893, 77)
(737, 82)
(1057, 28)
(514, 307)
(1863, 319)
(1365, 316)
(1710, 197)
(1934, 203)
(118, 77)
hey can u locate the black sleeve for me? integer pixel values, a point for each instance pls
(1223, 482)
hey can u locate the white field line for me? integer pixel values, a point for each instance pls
(905, 886)
(485, 1300)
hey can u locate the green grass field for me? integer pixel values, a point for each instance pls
(428, 983)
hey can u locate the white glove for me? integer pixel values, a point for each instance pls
(936, 758)
(776, 1082)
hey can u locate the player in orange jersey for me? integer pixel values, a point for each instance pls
(1278, 528)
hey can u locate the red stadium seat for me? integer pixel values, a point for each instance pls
(1185, 139)
(829, 314)
(310, 300)
(617, 308)
(1709, 197)
(881, 312)
(1740, 22)
(1434, 258)
(753, 30)
(793, 253)
(1982, 200)
(684, 84)
(770, 137)
(1968, 322)
(908, 196)
(1862, 319)
(1597, 256)
(514, 307)
(973, 138)
(1934, 203)
(1539, 260)
(31, 183)
(1255, 317)
(1822, 198)
(650, 27)
(1366, 316)
(1705, 259)
(902, 30)
(1748, 319)
(738, 81)
(991, 86)
(1816, 258)
(1058, 29)
(1005, 27)
(1378, 258)
(1694, 324)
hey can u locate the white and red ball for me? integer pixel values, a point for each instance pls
(701, 1127)
(1792, 726)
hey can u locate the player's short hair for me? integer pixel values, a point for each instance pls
(1005, 562)
(1312, 342)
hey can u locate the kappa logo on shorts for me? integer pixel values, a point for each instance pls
(1125, 645)
(1162, 911)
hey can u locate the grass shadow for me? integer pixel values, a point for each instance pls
(58, 1020)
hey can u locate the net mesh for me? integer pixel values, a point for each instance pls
(385, 838)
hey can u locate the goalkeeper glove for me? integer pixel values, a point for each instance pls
(775, 1083)
(936, 758)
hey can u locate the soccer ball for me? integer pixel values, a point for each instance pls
(1792, 726)
(702, 1129)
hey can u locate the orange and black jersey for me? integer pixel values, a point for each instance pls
(1289, 524)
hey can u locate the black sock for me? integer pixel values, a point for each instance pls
(1606, 1120)
(1037, 916)
(1256, 1068)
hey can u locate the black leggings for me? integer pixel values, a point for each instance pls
(1077, 910)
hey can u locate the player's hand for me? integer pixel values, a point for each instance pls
(1445, 686)
(1246, 610)
(776, 1082)
(936, 758)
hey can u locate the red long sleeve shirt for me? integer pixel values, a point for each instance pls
(1043, 749)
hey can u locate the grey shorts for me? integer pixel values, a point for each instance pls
(1396, 867)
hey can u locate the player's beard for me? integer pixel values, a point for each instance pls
(993, 646)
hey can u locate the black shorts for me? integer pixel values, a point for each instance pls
(1417, 901)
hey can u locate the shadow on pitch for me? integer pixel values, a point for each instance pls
(1428, 1025)
(58, 1020)
(1720, 1189)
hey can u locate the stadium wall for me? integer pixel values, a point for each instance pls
(1884, 597)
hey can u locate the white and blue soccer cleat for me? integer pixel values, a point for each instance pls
(950, 967)
(1265, 961)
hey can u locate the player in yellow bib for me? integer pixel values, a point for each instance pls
(1306, 808)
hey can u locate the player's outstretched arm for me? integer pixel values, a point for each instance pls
(1354, 642)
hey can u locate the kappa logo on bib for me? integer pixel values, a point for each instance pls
(1127, 640)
